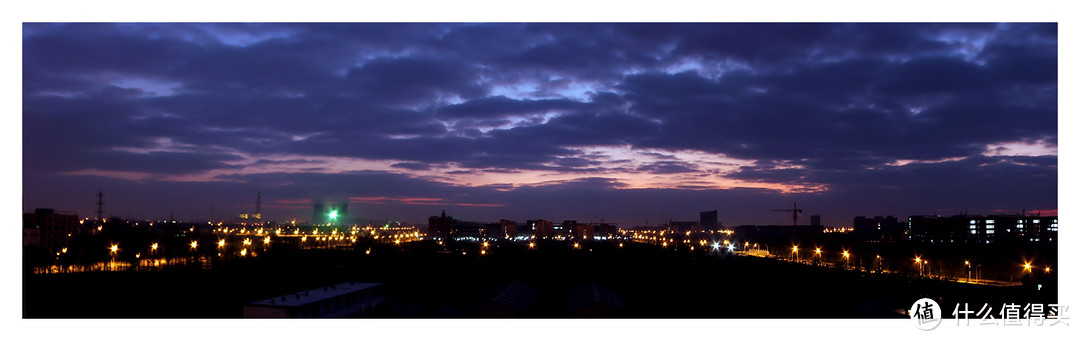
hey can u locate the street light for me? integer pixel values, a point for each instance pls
(1027, 267)
(967, 264)
(795, 250)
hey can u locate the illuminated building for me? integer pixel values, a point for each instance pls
(541, 228)
(509, 228)
(983, 229)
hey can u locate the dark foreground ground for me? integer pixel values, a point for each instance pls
(421, 282)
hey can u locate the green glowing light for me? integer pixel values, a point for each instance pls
(333, 214)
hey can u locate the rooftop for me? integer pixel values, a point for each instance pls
(315, 295)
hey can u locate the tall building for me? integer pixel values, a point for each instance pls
(509, 228)
(439, 226)
(54, 229)
(541, 228)
(709, 220)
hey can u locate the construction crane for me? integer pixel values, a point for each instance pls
(795, 211)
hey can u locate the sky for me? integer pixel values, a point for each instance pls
(626, 123)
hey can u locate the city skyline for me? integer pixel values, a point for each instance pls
(622, 122)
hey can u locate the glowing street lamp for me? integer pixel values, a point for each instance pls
(153, 247)
(221, 243)
(795, 250)
(1027, 267)
(194, 244)
(112, 249)
(967, 265)
(1047, 270)
(533, 245)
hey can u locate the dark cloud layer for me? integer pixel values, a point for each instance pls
(884, 117)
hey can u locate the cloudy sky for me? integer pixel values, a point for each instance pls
(623, 122)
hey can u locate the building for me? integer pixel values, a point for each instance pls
(879, 229)
(815, 220)
(348, 299)
(578, 231)
(31, 236)
(604, 230)
(54, 229)
(682, 226)
(439, 226)
(983, 229)
(475, 230)
(541, 228)
(709, 220)
(509, 228)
